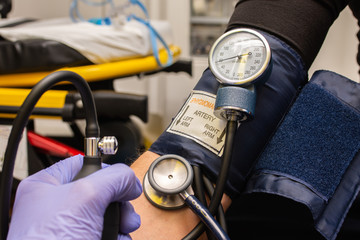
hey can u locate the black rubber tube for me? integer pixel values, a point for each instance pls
(199, 185)
(200, 193)
(21, 120)
(36, 111)
(231, 128)
(220, 214)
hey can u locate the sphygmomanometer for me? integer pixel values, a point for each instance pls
(205, 131)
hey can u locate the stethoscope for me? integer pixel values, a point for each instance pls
(167, 184)
(239, 60)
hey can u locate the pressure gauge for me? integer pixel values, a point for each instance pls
(240, 57)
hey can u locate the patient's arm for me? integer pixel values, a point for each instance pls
(155, 222)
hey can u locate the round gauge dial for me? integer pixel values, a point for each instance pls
(240, 57)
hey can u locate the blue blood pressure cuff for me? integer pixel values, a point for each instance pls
(313, 158)
(198, 136)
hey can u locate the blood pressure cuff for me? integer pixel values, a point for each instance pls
(313, 158)
(198, 136)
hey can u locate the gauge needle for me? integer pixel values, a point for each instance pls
(236, 56)
(242, 65)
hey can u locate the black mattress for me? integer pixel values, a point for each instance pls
(37, 55)
(34, 55)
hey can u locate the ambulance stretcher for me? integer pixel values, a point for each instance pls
(114, 109)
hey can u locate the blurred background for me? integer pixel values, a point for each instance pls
(195, 25)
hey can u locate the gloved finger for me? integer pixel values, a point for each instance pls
(62, 172)
(105, 165)
(124, 237)
(115, 183)
(129, 219)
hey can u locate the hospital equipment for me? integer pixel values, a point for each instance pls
(311, 160)
(65, 104)
(144, 63)
(117, 17)
(305, 183)
(93, 145)
(24, 72)
(68, 108)
(239, 59)
(167, 184)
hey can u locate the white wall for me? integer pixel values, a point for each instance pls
(40, 8)
(339, 50)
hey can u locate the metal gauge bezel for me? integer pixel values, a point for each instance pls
(246, 81)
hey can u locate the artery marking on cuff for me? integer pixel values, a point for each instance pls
(196, 121)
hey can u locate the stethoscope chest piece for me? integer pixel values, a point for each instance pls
(168, 176)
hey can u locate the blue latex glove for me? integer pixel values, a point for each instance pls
(49, 206)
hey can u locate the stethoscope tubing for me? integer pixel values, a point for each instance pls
(215, 201)
(204, 214)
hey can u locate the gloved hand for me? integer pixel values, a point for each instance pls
(49, 206)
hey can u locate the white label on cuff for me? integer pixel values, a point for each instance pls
(196, 121)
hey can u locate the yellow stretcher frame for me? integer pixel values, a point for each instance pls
(14, 97)
(96, 72)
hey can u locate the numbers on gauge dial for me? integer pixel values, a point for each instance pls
(239, 60)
